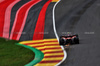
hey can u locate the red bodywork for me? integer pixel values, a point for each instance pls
(69, 37)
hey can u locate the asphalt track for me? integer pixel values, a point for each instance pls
(80, 17)
(76, 16)
(83, 20)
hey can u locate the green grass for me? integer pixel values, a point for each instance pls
(14, 55)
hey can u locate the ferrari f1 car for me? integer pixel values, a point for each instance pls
(69, 39)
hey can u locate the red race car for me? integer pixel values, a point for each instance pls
(69, 39)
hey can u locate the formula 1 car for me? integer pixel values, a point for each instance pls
(69, 40)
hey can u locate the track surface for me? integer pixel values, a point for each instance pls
(81, 17)
(76, 16)
(84, 22)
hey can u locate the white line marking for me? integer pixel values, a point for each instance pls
(54, 27)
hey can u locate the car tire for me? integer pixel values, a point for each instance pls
(76, 40)
(61, 41)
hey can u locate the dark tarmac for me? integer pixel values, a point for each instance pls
(85, 21)
(78, 17)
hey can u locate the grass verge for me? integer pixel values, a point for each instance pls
(14, 55)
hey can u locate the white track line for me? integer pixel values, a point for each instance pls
(54, 27)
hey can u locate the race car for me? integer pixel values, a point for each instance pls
(69, 40)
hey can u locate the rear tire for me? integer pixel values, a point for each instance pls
(61, 41)
(76, 40)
